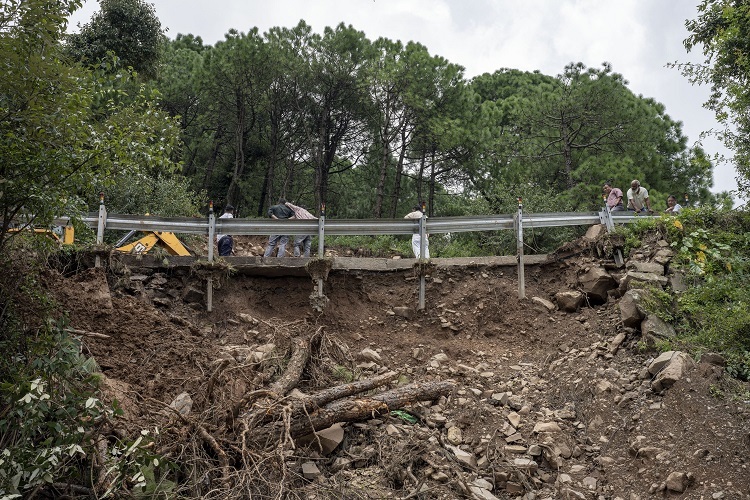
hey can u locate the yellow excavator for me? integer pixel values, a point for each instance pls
(65, 236)
(166, 240)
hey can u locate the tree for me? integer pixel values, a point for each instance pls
(723, 30)
(128, 28)
(66, 132)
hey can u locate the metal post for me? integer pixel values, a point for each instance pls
(519, 247)
(321, 243)
(211, 235)
(606, 217)
(421, 259)
(102, 223)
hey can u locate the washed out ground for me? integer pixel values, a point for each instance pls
(545, 405)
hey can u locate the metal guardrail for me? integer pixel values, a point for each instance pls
(212, 226)
(341, 227)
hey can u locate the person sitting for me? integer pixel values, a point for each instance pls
(614, 197)
(672, 206)
(638, 198)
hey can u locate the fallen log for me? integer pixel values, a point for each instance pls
(352, 410)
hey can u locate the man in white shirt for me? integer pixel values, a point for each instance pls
(417, 213)
(638, 198)
(224, 242)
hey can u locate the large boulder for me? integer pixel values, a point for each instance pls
(631, 308)
(654, 329)
(635, 279)
(595, 283)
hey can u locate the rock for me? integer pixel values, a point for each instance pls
(454, 435)
(663, 256)
(677, 282)
(589, 482)
(661, 361)
(482, 493)
(183, 403)
(368, 354)
(329, 439)
(646, 267)
(525, 464)
(615, 343)
(677, 482)
(713, 359)
(654, 329)
(514, 419)
(596, 283)
(546, 427)
(569, 301)
(246, 318)
(544, 302)
(463, 456)
(310, 471)
(671, 373)
(634, 279)
(340, 463)
(595, 232)
(631, 309)
(404, 311)
(192, 295)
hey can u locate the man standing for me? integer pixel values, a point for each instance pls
(278, 212)
(638, 198)
(614, 197)
(224, 242)
(417, 213)
(304, 241)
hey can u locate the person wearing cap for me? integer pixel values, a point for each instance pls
(638, 198)
(416, 240)
(224, 242)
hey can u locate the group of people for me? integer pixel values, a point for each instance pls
(637, 199)
(282, 210)
(286, 210)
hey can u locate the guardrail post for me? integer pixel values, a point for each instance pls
(101, 224)
(605, 215)
(519, 247)
(422, 246)
(211, 235)
(321, 243)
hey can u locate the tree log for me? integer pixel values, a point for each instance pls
(351, 410)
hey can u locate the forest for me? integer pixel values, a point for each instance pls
(366, 128)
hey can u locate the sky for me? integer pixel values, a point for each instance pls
(638, 37)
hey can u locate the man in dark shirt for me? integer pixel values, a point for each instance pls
(278, 211)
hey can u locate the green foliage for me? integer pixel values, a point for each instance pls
(127, 28)
(67, 133)
(722, 31)
(50, 411)
(713, 314)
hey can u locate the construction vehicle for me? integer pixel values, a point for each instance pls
(162, 239)
(63, 234)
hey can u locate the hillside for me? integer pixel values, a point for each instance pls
(543, 403)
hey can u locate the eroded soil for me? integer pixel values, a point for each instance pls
(544, 403)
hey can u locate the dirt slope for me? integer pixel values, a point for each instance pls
(546, 405)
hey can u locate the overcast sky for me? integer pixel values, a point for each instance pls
(638, 37)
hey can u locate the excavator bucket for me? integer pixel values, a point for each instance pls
(164, 239)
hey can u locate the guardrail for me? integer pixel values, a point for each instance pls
(212, 225)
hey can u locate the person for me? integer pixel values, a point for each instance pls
(672, 206)
(638, 198)
(301, 241)
(417, 213)
(278, 212)
(614, 197)
(224, 242)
